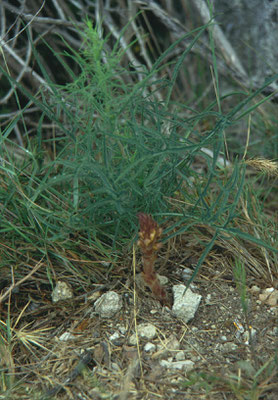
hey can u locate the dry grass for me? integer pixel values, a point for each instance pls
(35, 362)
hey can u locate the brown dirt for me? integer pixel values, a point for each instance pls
(116, 369)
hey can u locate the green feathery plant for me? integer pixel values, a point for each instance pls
(118, 150)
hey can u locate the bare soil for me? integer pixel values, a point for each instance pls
(94, 364)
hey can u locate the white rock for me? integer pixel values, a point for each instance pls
(270, 296)
(180, 356)
(149, 347)
(185, 304)
(186, 365)
(255, 289)
(144, 331)
(115, 336)
(208, 299)
(108, 304)
(132, 339)
(122, 329)
(66, 336)
(186, 273)
(62, 291)
(163, 280)
(147, 331)
(269, 290)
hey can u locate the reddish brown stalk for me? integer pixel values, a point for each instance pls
(149, 244)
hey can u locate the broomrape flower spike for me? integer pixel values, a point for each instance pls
(149, 236)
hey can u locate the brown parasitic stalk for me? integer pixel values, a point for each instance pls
(149, 236)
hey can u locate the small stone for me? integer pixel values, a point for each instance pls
(122, 329)
(186, 274)
(186, 303)
(163, 280)
(114, 337)
(132, 339)
(223, 338)
(269, 290)
(108, 304)
(149, 347)
(208, 299)
(255, 289)
(66, 336)
(62, 291)
(147, 331)
(186, 365)
(263, 296)
(273, 299)
(269, 296)
(180, 356)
